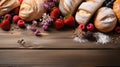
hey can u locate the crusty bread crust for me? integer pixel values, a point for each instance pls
(31, 9)
(8, 5)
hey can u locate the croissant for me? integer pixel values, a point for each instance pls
(31, 9)
(69, 6)
(86, 10)
(8, 5)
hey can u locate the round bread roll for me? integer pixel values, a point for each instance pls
(105, 20)
(31, 9)
(116, 8)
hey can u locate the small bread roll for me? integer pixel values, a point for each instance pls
(8, 5)
(69, 6)
(86, 10)
(31, 9)
(116, 8)
(105, 20)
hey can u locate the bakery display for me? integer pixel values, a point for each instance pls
(8, 5)
(86, 10)
(31, 9)
(116, 8)
(105, 20)
(69, 6)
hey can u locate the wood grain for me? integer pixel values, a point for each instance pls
(59, 58)
(51, 39)
(54, 49)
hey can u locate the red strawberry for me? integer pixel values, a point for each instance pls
(16, 10)
(5, 25)
(90, 27)
(81, 26)
(8, 16)
(20, 1)
(59, 24)
(70, 21)
(21, 23)
(16, 18)
(117, 29)
(55, 13)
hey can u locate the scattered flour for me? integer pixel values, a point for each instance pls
(102, 38)
(79, 39)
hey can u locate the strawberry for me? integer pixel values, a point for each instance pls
(20, 1)
(16, 18)
(90, 27)
(55, 13)
(81, 26)
(16, 10)
(69, 21)
(59, 24)
(5, 25)
(21, 23)
(8, 16)
(117, 29)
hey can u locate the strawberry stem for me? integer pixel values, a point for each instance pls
(68, 15)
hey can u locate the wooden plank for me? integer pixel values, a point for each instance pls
(53, 39)
(59, 58)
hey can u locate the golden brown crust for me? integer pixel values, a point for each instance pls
(69, 6)
(8, 5)
(86, 10)
(105, 20)
(116, 8)
(31, 9)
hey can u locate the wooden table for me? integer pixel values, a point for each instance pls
(54, 49)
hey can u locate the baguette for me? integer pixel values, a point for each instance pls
(69, 6)
(86, 10)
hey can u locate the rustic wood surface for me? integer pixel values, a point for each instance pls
(59, 58)
(51, 39)
(54, 49)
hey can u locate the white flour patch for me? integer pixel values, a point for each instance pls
(102, 38)
(81, 40)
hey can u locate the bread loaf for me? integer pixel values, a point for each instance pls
(105, 20)
(116, 8)
(86, 10)
(69, 6)
(31, 9)
(8, 5)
